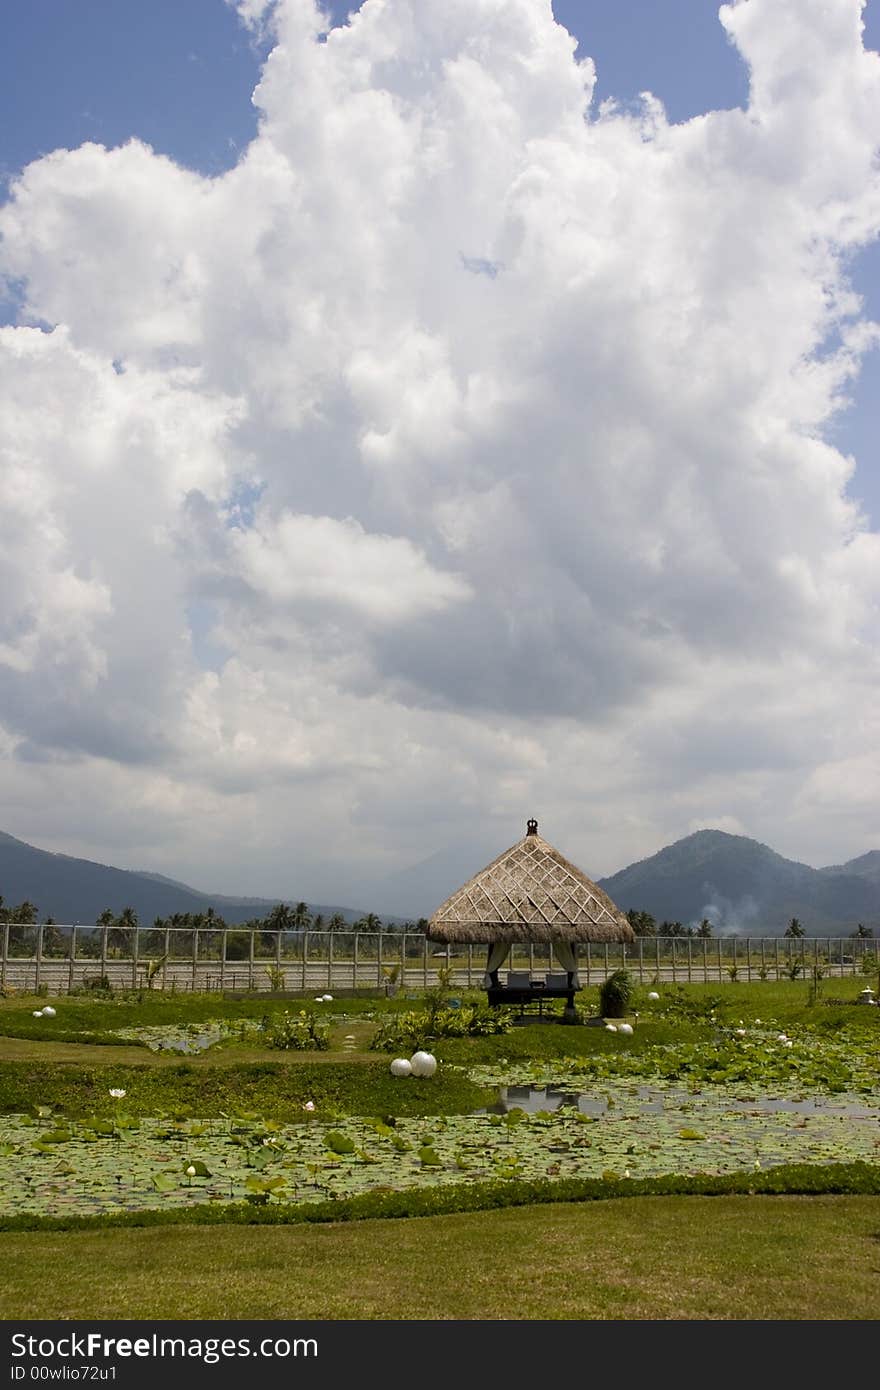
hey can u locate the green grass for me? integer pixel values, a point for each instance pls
(789, 1258)
(272, 1089)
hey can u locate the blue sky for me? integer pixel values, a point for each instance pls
(180, 75)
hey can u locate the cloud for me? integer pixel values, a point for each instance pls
(488, 433)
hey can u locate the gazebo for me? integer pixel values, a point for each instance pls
(530, 893)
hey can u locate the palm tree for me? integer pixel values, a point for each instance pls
(369, 922)
(121, 935)
(337, 922)
(705, 928)
(794, 929)
(302, 917)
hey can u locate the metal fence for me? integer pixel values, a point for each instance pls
(64, 958)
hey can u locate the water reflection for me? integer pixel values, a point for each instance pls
(649, 1100)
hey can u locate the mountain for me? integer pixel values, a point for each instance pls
(744, 886)
(77, 890)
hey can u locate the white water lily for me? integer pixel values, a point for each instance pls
(117, 1092)
(740, 1032)
(782, 1037)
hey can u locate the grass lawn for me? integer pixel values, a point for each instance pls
(788, 1258)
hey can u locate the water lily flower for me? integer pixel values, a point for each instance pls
(757, 1020)
(782, 1037)
(740, 1032)
(309, 1105)
(117, 1092)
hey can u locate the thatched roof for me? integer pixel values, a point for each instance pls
(529, 893)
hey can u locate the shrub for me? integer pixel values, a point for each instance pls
(615, 994)
(300, 1032)
(412, 1030)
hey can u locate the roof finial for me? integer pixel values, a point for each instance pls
(531, 826)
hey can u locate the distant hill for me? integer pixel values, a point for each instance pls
(744, 886)
(77, 890)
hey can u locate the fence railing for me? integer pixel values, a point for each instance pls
(65, 958)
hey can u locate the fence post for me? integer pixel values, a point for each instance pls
(354, 953)
(278, 974)
(71, 958)
(657, 957)
(5, 956)
(104, 931)
(305, 951)
(690, 958)
(470, 964)
(329, 961)
(251, 961)
(749, 959)
(705, 960)
(195, 957)
(135, 955)
(39, 971)
(606, 960)
(223, 935)
(166, 951)
(641, 962)
(379, 958)
(425, 961)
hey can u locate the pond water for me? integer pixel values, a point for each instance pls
(650, 1100)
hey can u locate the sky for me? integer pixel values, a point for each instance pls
(418, 420)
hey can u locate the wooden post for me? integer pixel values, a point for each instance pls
(71, 958)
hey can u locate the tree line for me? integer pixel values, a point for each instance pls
(644, 924)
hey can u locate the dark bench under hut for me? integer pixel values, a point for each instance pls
(524, 990)
(530, 895)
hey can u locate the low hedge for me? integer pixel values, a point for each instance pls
(839, 1179)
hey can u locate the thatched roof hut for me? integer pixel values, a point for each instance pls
(530, 893)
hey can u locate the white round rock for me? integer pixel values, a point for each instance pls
(49, 1011)
(401, 1067)
(423, 1064)
(327, 998)
(610, 1027)
(653, 995)
(625, 1028)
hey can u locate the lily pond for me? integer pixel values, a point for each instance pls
(122, 1163)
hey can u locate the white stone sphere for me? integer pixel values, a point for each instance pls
(49, 1011)
(610, 1027)
(401, 1067)
(653, 994)
(625, 1028)
(423, 1064)
(38, 1013)
(327, 998)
